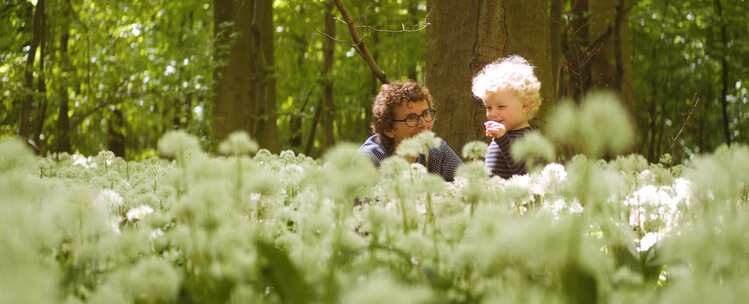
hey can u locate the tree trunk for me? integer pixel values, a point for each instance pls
(462, 38)
(295, 121)
(413, 13)
(327, 77)
(63, 118)
(575, 43)
(555, 23)
(724, 71)
(262, 29)
(115, 133)
(41, 113)
(25, 129)
(244, 86)
(313, 128)
(611, 64)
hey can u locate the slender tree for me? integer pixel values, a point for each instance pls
(328, 120)
(723, 69)
(63, 118)
(25, 128)
(611, 62)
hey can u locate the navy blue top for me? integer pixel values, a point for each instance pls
(498, 158)
(442, 161)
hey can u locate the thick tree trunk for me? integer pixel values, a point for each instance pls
(41, 113)
(244, 86)
(327, 77)
(25, 128)
(462, 38)
(529, 36)
(262, 29)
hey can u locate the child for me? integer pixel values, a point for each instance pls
(511, 96)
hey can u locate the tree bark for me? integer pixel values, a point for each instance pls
(327, 77)
(25, 129)
(313, 128)
(262, 30)
(555, 23)
(611, 64)
(462, 38)
(63, 118)
(41, 113)
(724, 71)
(115, 133)
(575, 45)
(244, 86)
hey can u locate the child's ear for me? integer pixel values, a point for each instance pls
(527, 102)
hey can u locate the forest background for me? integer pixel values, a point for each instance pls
(88, 75)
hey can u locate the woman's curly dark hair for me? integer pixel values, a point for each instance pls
(383, 109)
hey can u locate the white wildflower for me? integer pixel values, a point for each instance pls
(553, 173)
(254, 198)
(85, 162)
(114, 223)
(647, 241)
(109, 198)
(646, 177)
(138, 212)
(575, 207)
(421, 208)
(157, 233)
(682, 189)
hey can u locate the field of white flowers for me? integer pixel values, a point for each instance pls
(248, 226)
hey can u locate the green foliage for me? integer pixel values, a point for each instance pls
(238, 143)
(533, 147)
(474, 150)
(284, 229)
(599, 126)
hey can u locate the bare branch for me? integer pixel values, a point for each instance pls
(684, 125)
(403, 29)
(359, 44)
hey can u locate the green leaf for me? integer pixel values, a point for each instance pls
(279, 271)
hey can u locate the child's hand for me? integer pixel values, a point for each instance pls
(494, 129)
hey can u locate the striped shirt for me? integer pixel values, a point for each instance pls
(498, 158)
(442, 161)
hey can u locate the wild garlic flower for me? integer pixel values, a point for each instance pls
(419, 144)
(138, 212)
(83, 161)
(238, 143)
(109, 198)
(647, 241)
(475, 150)
(174, 143)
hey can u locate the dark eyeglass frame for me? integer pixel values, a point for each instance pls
(413, 119)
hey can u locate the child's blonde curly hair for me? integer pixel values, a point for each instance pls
(512, 73)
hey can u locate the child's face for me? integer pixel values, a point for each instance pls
(508, 109)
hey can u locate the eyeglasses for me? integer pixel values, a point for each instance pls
(412, 119)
